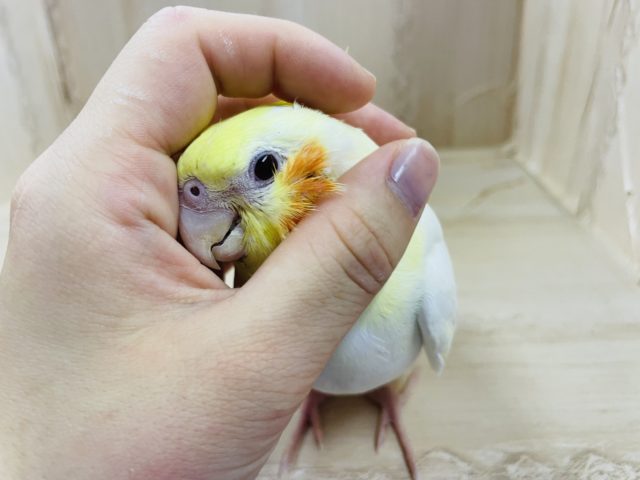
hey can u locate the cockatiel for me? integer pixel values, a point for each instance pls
(245, 182)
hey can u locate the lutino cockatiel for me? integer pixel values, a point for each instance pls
(245, 182)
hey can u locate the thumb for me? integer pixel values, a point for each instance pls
(320, 279)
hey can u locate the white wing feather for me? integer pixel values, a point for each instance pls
(437, 314)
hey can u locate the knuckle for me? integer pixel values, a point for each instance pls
(363, 256)
(171, 17)
(170, 14)
(17, 195)
(24, 194)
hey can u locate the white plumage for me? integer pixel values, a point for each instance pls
(415, 308)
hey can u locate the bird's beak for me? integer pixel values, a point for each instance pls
(213, 236)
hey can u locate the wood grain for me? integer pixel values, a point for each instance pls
(578, 110)
(445, 66)
(34, 110)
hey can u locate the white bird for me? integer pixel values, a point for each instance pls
(246, 181)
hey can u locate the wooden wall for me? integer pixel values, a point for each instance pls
(445, 66)
(578, 112)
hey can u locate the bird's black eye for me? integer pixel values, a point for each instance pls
(195, 191)
(266, 166)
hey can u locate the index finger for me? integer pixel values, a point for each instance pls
(381, 126)
(162, 89)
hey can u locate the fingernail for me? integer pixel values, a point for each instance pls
(413, 174)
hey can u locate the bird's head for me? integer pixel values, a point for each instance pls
(245, 182)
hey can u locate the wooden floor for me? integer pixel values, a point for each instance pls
(543, 380)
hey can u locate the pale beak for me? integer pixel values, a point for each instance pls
(213, 236)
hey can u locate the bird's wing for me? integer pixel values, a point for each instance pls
(437, 313)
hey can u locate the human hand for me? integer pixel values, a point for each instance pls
(121, 355)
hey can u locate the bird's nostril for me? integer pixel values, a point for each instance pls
(195, 191)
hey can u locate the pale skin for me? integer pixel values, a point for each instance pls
(120, 355)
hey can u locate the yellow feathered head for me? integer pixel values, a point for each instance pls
(245, 182)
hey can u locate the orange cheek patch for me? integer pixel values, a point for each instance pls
(305, 178)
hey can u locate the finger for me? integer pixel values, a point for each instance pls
(228, 107)
(310, 291)
(163, 87)
(379, 124)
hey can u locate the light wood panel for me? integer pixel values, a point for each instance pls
(34, 108)
(578, 111)
(445, 66)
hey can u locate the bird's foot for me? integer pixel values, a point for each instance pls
(390, 398)
(309, 417)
